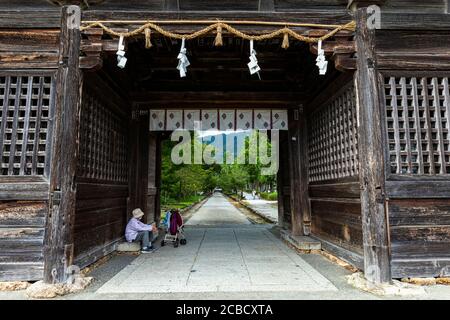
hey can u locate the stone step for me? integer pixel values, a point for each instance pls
(301, 242)
(129, 247)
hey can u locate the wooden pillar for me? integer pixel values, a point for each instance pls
(284, 181)
(294, 168)
(158, 178)
(58, 248)
(304, 163)
(371, 156)
(152, 187)
(280, 185)
(143, 160)
(133, 165)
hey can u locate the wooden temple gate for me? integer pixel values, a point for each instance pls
(364, 166)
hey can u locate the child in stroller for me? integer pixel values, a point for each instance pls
(173, 224)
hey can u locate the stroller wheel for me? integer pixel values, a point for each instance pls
(183, 242)
(175, 244)
(162, 243)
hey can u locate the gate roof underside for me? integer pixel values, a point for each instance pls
(218, 77)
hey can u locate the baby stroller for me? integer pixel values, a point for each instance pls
(173, 224)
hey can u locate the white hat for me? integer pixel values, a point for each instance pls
(137, 213)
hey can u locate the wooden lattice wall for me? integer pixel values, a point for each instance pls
(103, 142)
(333, 144)
(418, 125)
(102, 173)
(26, 111)
(25, 124)
(334, 171)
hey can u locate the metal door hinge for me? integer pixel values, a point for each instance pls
(55, 197)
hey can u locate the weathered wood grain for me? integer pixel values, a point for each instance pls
(374, 224)
(58, 249)
(335, 190)
(352, 256)
(420, 233)
(102, 175)
(419, 212)
(413, 50)
(418, 189)
(26, 214)
(98, 252)
(414, 21)
(304, 164)
(295, 133)
(21, 239)
(21, 271)
(434, 267)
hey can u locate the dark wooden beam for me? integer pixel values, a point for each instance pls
(371, 153)
(355, 4)
(344, 62)
(266, 5)
(58, 249)
(214, 98)
(335, 16)
(415, 21)
(34, 19)
(171, 5)
(45, 19)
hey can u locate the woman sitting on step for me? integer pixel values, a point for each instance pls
(139, 231)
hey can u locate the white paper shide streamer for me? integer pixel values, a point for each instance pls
(183, 61)
(322, 63)
(253, 64)
(121, 60)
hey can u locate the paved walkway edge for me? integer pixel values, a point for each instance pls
(262, 215)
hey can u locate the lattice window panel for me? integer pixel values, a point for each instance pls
(418, 125)
(103, 142)
(333, 140)
(25, 112)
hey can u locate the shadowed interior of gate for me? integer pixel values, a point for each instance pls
(115, 137)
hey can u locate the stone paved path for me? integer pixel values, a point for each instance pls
(265, 208)
(224, 253)
(218, 211)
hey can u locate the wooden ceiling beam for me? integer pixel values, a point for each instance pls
(335, 16)
(171, 5)
(191, 28)
(215, 97)
(355, 4)
(266, 5)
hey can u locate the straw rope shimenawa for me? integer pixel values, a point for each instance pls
(219, 27)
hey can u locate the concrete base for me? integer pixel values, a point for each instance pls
(396, 288)
(301, 242)
(42, 290)
(14, 285)
(129, 247)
